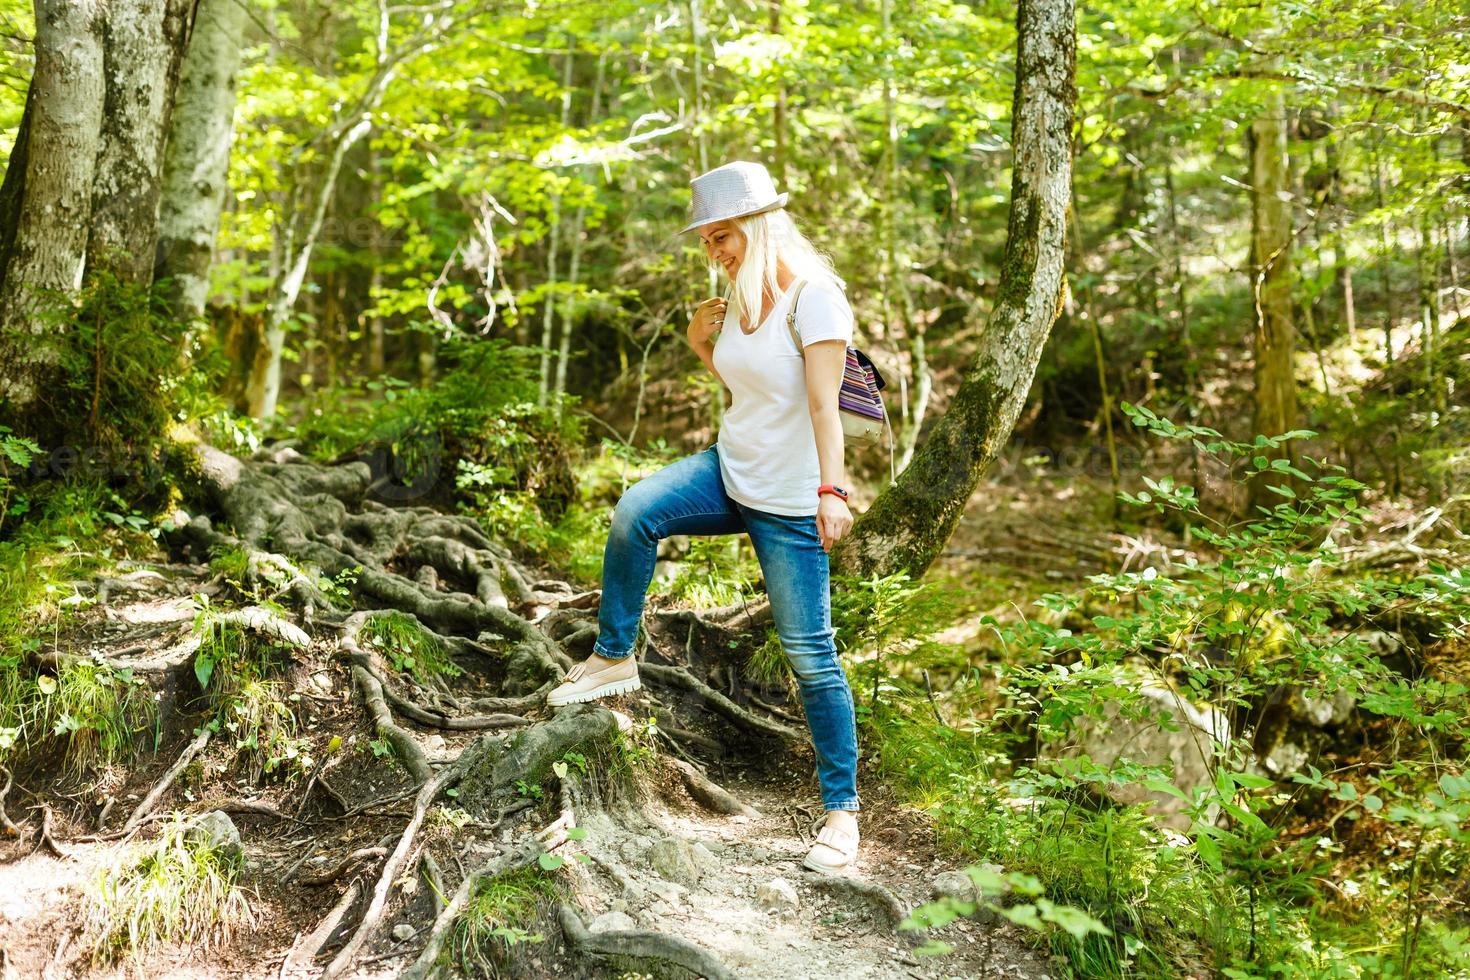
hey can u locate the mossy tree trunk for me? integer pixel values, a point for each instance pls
(49, 198)
(908, 525)
(1271, 288)
(81, 195)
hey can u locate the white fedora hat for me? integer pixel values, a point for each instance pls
(732, 191)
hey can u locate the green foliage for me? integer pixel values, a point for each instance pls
(495, 919)
(177, 891)
(716, 571)
(250, 704)
(889, 618)
(70, 531)
(1267, 613)
(409, 647)
(115, 396)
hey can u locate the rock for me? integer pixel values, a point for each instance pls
(673, 858)
(954, 884)
(435, 745)
(1190, 751)
(776, 894)
(668, 891)
(322, 681)
(216, 831)
(403, 932)
(704, 858)
(613, 921)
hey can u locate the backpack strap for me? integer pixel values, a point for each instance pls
(791, 316)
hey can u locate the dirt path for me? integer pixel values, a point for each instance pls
(658, 863)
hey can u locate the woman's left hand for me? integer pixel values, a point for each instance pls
(833, 519)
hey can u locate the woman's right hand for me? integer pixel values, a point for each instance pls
(709, 318)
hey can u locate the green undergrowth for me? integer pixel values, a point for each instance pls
(503, 915)
(249, 702)
(176, 890)
(409, 647)
(1348, 866)
(54, 537)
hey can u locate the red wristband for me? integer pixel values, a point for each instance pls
(833, 489)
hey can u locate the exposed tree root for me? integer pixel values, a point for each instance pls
(11, 828)
(405, 745)
(343, 866)
(680, 678)
(427, 716)
(708, 793)
(306, 948)
(875, 896)
(394, 865)
(522, 856)
(640, 945)
(162, 786)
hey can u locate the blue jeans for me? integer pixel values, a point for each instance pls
(688, 497)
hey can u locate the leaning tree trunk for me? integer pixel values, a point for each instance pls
(143, 43)
(1271, 280)
(49, 240)
(198, 158)
(908, 525)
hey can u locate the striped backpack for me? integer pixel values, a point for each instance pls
(859, 404)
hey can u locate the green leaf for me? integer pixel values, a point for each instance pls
(203, 669)
(1209, 851)
(550, 862)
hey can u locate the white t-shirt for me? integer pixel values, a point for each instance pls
(767, 449)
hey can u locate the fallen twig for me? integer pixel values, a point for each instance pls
(163, 784)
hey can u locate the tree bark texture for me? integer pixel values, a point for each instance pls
(197, 161)
(143, 43)
(1271, 283)
(63, 119)
(908, 525)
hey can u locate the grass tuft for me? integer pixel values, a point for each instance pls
(495, 920)
(409, 647)
(179, 890)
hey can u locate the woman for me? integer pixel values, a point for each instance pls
(774, 473)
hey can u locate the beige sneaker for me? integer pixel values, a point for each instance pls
(584, 684)
(834, 850)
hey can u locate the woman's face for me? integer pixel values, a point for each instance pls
(723, 243)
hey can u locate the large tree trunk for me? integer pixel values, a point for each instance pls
(62, 122)
(144, 44)
(909, 524)
(198, 157)
(1271, 281)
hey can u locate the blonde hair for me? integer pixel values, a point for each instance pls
(768, 235)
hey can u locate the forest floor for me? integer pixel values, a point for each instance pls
(657, 861)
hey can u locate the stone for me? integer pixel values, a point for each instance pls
(704, 858)
(1190, 751)
(668, 891)
(954, 884)
(1324, 712)
(613, 921)
(217, 832)
(403, 932)
(673, 858)
(776, 894)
